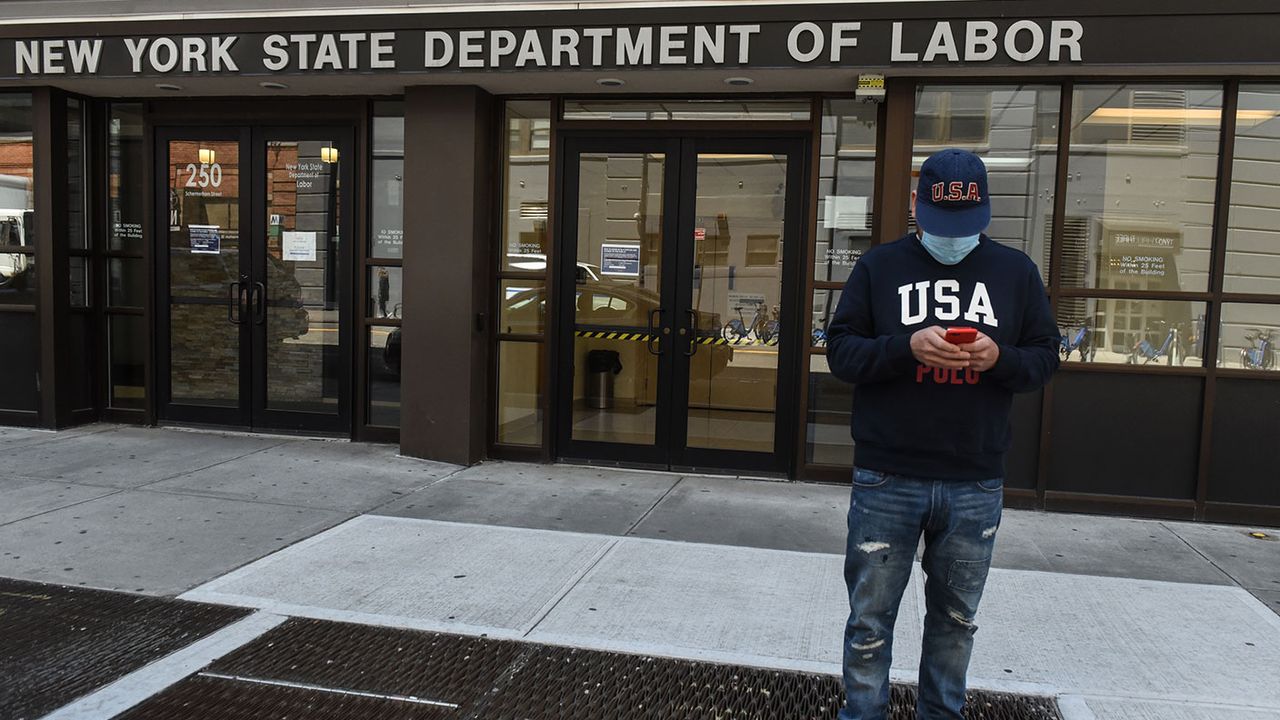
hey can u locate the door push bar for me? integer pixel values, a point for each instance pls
(693, 333)
(260, 304)
(235, 303)
(653, 335)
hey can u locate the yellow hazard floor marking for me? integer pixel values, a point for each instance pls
(645, 337)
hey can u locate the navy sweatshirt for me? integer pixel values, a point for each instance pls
(909, 419)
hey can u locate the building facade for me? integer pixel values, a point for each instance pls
(614, 232)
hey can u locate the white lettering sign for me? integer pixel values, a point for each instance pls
(802, 42)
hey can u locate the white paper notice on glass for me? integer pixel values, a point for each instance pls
(845, 212)
(298, 246)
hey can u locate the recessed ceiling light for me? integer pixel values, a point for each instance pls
(738, 81)
(273, 85)
(168, 86)
(611, 82)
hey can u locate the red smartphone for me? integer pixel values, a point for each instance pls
(961, 335)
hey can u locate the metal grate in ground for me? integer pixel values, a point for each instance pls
(392, 661)
(556, 682)
(208, 698)
(320, 670)
(58, 643)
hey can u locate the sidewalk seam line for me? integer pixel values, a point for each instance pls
(212, 465)
(1197, 551)
(430, 484)
(605, 551)
(253, 501)
(1161, 698)
(116, 491)
(654, 506)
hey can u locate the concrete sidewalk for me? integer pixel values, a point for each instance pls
(1120, 618)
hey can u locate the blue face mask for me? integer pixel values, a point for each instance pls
(948, 250)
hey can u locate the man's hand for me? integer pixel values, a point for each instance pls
(983, 353)
(930, 347)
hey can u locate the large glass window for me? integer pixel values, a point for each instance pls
(1132, 331)
(522, 270)
(1248, 336)
(1253, 229)
(1143, 169)
(830, 406)
(846, 186)
(526, 177)
(387, 234)
(845, 228)
(18, 362)
(383, 272)
(1013, 128)
(126, 270)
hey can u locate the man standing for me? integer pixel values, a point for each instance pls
(931, 426)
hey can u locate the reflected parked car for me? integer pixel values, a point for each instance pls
(599, 306)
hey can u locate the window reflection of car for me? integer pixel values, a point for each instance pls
(17, 279)
(17, 271)
(585, 272)
(598, 305)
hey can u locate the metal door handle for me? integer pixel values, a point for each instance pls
(235, 300)
(652, 335)
(693, 333)
(260, 306)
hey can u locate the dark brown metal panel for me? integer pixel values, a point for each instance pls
(1126, 435)
(124, 416)
(1218, 512)
(895, 158)
(447, 274)
(1022, 461)
(1244, 456)
(294, 112)
(681, 14)
(1021, 498)
(1134, 505)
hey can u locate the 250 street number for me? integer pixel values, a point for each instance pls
(205, 175)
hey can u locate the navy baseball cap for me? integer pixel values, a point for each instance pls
(951, 197)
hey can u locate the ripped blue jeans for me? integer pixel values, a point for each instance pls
(887, 515)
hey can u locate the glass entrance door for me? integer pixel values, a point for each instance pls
(678, 295)
(254, 269)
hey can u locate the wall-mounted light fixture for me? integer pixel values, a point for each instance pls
(207, 156)
(329, 154)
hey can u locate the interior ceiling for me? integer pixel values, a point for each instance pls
(569, 82)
